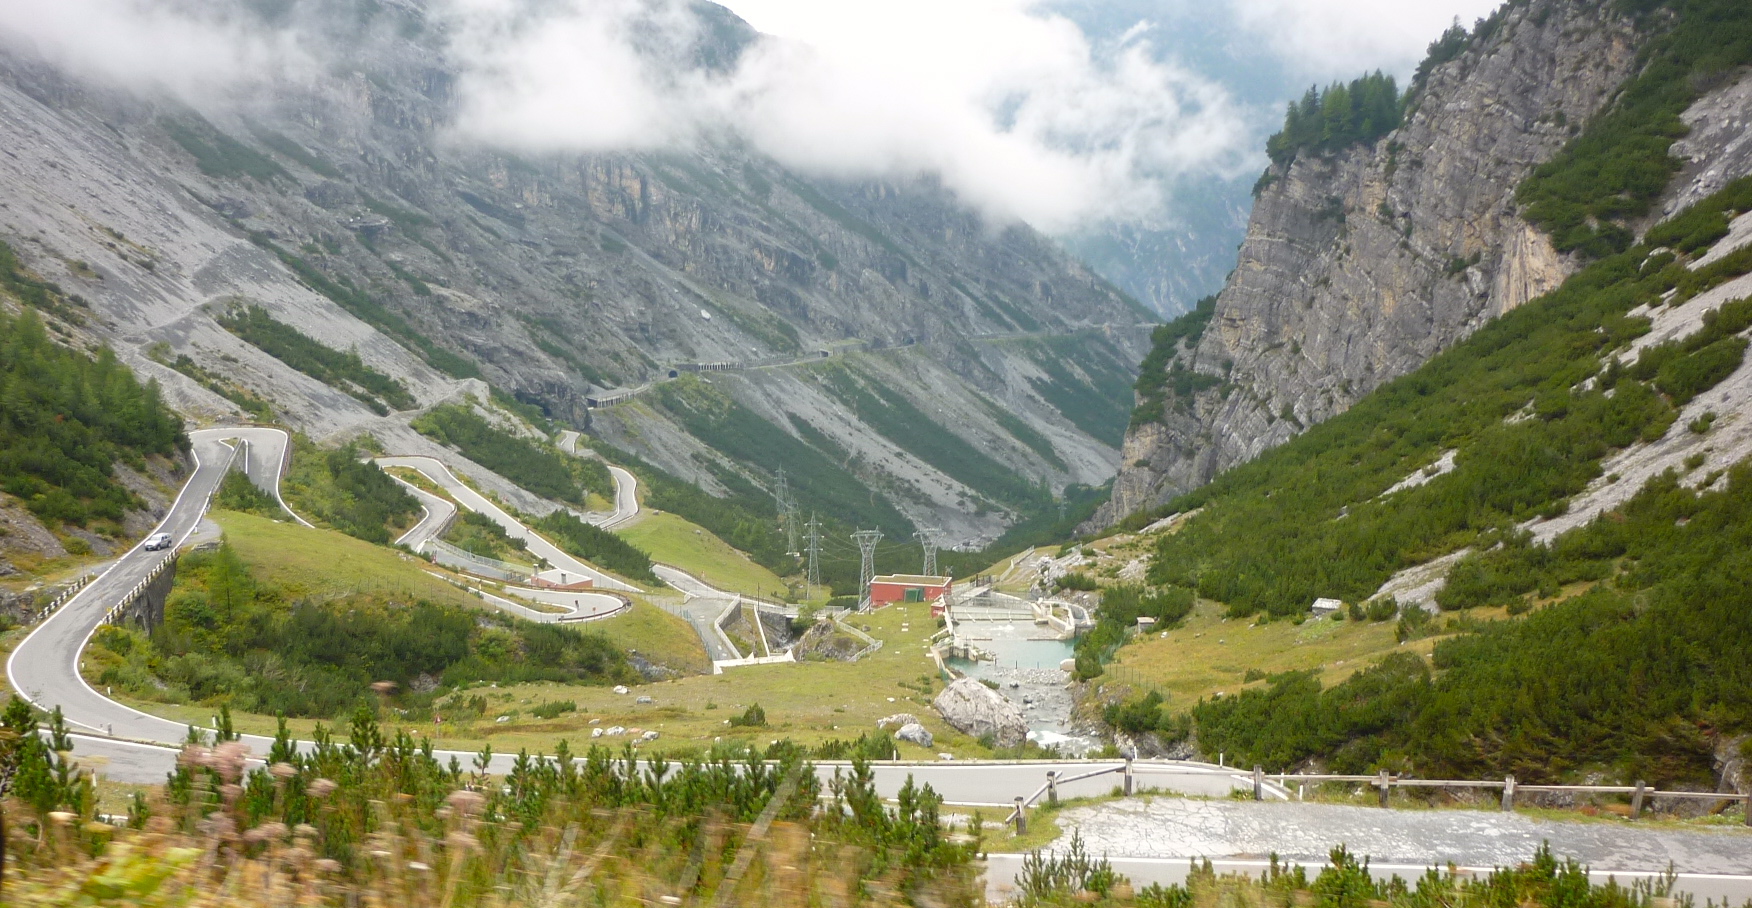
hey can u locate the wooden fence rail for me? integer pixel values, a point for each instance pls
(1639, 792)
(1384, 783)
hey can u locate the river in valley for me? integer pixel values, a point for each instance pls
(1026, 670)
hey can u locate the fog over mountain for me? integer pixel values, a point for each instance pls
(1130, 129)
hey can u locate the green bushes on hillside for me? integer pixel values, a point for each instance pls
(899, 421)
(1640, 676)
(1615, 170)
(336, 488)
(228, 638)
(479, 534)
(536, 466)
(812, 464)
(67, 420)
(342, 370)
(1309, 519)
(368, 310)
(1086, 384)
(237, 493)
(217, 154)
(596, 545)
(1162, 376)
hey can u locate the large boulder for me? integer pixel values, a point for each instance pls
(915, 733)
(974, 709)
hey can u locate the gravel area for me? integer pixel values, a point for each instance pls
(1177, 827)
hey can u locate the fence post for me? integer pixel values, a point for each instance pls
(1385, 782)
(1258, 783)
(1636, 801)
(1748, 802)
(1052, 787)
(1021, 816)
(1128, 776)
(1508, 793)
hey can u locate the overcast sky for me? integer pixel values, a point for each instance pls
(1320, 39)
(1015, 109)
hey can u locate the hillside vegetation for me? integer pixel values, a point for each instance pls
(1310, 519)
(337, 488)
(1636, 676)
(343, 370)
(232, 638)
(1616, 169)
(67, 420)
(537, 466)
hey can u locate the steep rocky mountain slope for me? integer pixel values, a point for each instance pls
(349, 210)
(1361, 264)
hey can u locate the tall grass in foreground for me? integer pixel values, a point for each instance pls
(381, 823)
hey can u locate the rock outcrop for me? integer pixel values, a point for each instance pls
(898, 720)
(974, 709)
(1361, 264)
(914, 733)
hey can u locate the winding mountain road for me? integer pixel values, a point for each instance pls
(127, 745)
(626, 487)
(44, 667)
(439, 513)
(565, 567)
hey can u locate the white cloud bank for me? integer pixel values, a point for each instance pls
(1015, 111)
(1012, 107)
(1341, 38)
(197, 51)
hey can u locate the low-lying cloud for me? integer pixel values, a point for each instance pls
(1013, 108)
(198, 51)
(1339, 38)
(1015, 111)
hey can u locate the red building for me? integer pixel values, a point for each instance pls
(887, 589)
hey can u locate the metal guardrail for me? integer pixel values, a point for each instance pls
(128, 599)
(67, 593)
(504, 570)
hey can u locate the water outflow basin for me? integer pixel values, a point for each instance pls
(1027, 672)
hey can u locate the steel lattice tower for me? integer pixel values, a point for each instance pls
(866, 540)
(787, 512)
(813, 577)
(928, 538)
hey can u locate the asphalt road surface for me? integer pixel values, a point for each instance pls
(626, 495)
(44, 668)
(439, 513)
(475, 501)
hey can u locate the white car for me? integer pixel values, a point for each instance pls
(157, 541)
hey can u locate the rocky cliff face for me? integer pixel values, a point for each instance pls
(349, 209)
(1360, 265)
